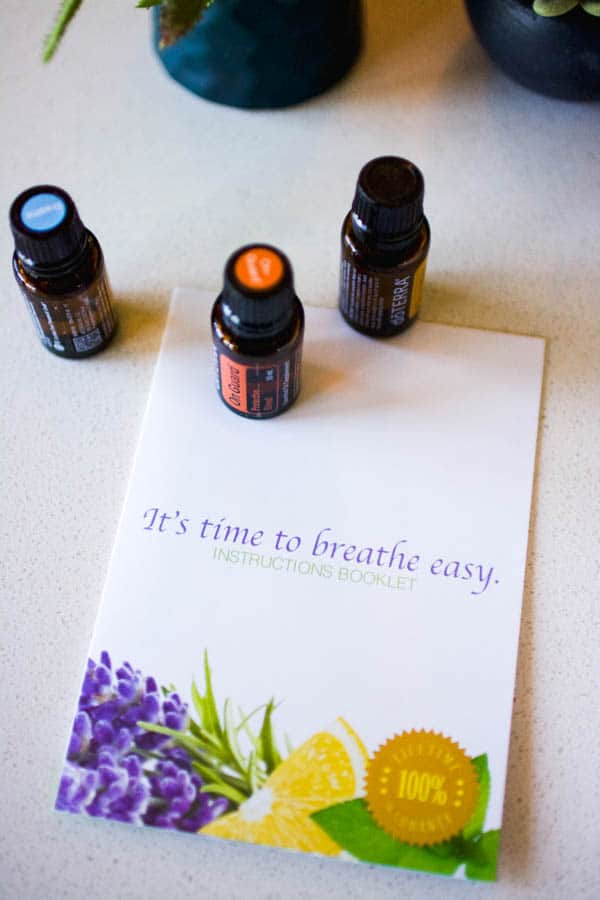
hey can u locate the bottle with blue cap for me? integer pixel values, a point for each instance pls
(59, 267)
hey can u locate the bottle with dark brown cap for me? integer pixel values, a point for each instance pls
(385, 240)
(258, 328)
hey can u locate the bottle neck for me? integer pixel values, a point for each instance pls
(61, 267)
(394, 245)
(238, 317)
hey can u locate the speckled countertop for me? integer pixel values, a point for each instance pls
(171, 185)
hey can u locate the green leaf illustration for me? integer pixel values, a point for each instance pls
(483, 856)
(266, 738)
(211, 714)
(352, 826)
(215, 744)
(225, 791)
(474, 826)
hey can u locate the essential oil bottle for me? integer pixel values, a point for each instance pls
(258, 327)
(385, 240)
(59, 266)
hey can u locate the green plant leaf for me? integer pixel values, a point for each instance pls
(592, 7)
(66, 12)
(159, 729)
(244, 724)
(147, 4)
(266, 738)
(212, 722)
(483, 857)
(225, 791)
(215, 744)
(211, 742)
(474, 826)
(253, 774)
(353, 828)
(211, 774)
(177, 17)
(201, 748)
(206, 771)
(230, 741)
(198, 701)
(554, 7)
(195, 729)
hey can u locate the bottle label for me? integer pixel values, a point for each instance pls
(43, 212)
(261, 390)
(379, 302)
(74, 325)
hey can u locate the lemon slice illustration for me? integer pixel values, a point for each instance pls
(328, 768)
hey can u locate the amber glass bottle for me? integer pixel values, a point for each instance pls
(59, 266)
(258, 327)
(385, 240)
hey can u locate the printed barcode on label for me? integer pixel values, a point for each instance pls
(87, 341)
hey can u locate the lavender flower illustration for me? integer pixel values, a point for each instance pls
(117, 769)
(136, 755)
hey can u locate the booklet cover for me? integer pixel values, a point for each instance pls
(309, 630)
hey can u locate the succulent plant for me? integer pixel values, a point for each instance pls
(177, 17)
(560, 7)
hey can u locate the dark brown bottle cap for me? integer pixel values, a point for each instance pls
(258, 292)
(389, 197)
(46, 226)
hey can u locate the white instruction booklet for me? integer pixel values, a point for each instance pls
(309, 630)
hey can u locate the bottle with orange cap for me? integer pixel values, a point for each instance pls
(257, 328)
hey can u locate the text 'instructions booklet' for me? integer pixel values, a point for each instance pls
(309, 630)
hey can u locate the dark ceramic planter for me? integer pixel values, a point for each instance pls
(260, 54)
(558, 56)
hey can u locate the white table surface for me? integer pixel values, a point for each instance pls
(171, 184)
